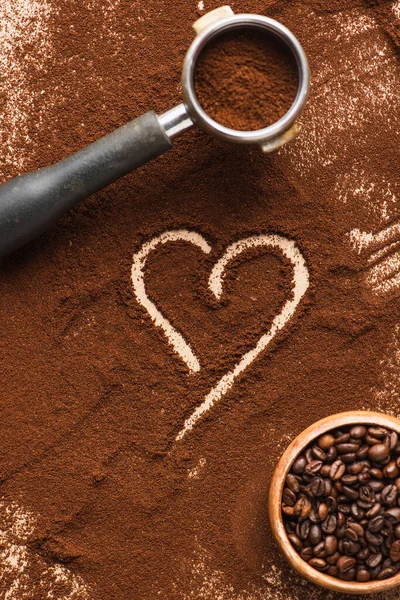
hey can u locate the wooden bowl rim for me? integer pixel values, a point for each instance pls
(276, 489)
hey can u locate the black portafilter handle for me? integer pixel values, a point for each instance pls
(31, 203)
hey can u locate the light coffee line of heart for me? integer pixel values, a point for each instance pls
(215, 283)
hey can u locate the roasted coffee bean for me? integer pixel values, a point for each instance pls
(375, 572)
(333, 571)
(348, 458)
(349, 479)
(302, 508)
(338, 486)
(391, 470)
(364, 477)
(372, 538)
(292, 483)
(391, 440)
(357, 512)
(331, 504)
(350, 534)
(393, 514)
(363, 575)
(318, 453)
(374, 511)
(325, 470)
(362, 452)
(340, 532)
(372, 441)
(327, 487)
(289, 497)
(318, 563)
(303, 529)
(363, 554)
(345, 509)
(323, 511)
(397, 483)
(355, 468)
(326, 441)
(350, 493)
(341, 519)
(295, 541)
(314, 516)
(389, 494)
(359, 529)
(358, 431)
(329, 525)
(338, 469)
(377, 486)
(376, 473)
(288, 510)
(395, 551)
(367, 494)
(307, 553)
(351, 547)
(374, 560)
(345, 563)
(332, 560)
(378, 432)
(397, 531)
(308, 455)
(331, 544)
(347, 448)
(376, 524)
(319, 550)
(378, 452)
(317, 487)
(385, 573)
(299, 465)
(331, 454)
(348, 576)
(342, 438)
(313, 467)
(315, 534)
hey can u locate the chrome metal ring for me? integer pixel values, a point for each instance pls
(196, 111)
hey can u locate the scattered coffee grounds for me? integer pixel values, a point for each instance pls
(246, 80)
(341, 503)
(99, 500)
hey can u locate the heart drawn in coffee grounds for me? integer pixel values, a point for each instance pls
(215, 284)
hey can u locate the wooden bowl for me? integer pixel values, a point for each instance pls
(275, 495)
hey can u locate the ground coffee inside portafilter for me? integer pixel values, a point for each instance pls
(246, 80)
(341, 504)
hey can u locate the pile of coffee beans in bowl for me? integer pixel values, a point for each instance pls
(341, 503)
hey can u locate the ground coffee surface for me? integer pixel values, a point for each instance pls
(113, 487)
(246, 80)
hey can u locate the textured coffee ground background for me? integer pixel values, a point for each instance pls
(91, 396)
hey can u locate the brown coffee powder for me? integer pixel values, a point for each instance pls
(93, 395)
(246, 80)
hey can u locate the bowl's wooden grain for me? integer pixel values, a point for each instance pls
(275, 494)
